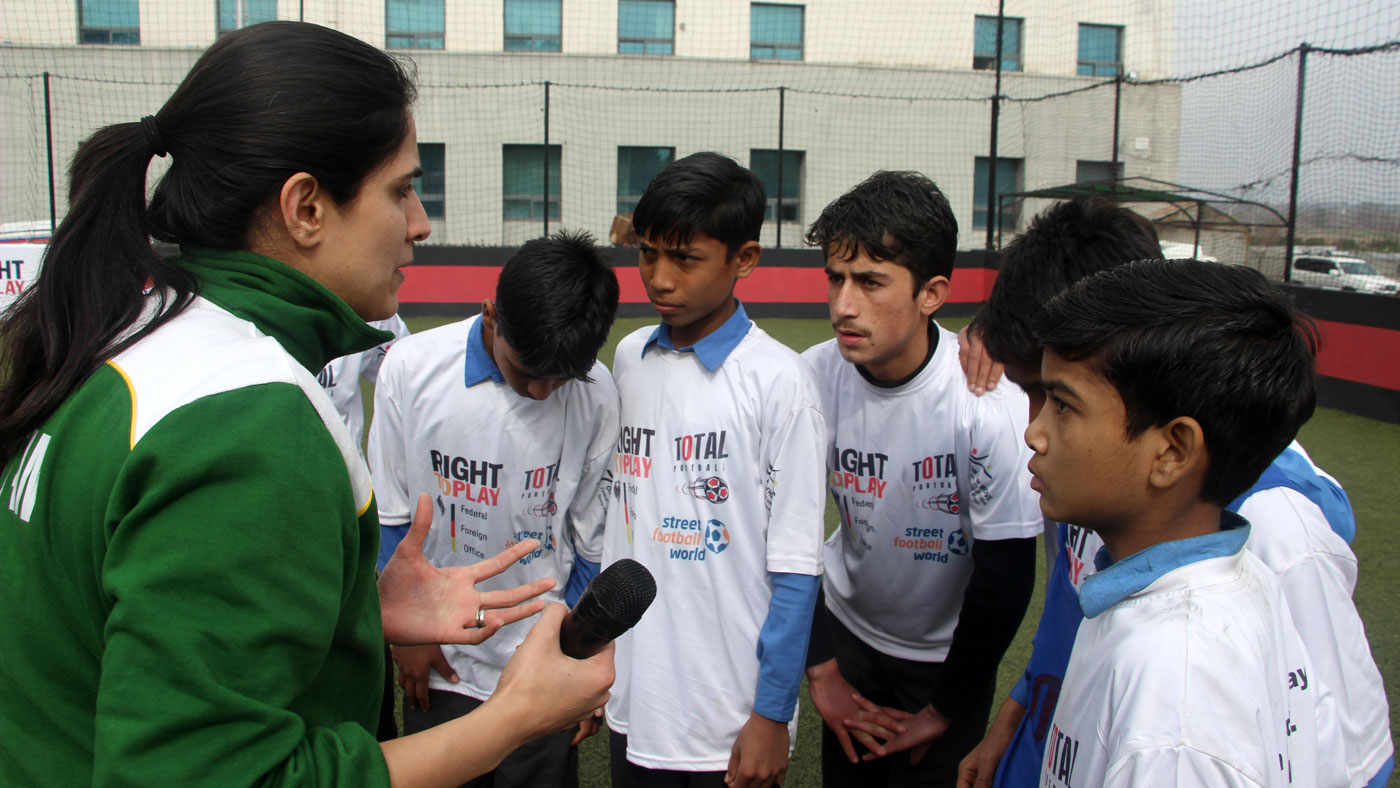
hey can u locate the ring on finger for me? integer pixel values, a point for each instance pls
(480, 618)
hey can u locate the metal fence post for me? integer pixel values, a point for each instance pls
(1117, 109)
(546, 161)
(48, 148)
(996, 110)
(778, 211)
(1297, 153)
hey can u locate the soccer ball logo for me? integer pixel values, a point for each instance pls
(716, 536)
(957, 542)
(545, 509)
(942, 502)
(709, 488)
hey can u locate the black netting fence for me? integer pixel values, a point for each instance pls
(1250, 128)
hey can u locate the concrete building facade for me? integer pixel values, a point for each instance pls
(843, 87)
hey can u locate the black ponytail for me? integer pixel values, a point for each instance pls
(259, 106)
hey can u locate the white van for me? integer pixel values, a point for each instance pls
(1334, 272)
(1178, 250)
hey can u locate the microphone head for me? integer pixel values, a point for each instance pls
(624, 591)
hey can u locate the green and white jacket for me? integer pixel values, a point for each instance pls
(188, 592)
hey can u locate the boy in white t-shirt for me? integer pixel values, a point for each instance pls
(929, 574)
(1171, 385)
(341, 378)
(1304, 521)
(509, 420)
(718, 491)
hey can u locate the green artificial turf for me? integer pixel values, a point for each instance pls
(1363, 454)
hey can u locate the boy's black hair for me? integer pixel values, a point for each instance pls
(1064, 243)
(900, 217)
(1218, 343)
(555, 303)
(703, 193)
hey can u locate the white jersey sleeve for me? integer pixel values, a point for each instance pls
(794, 453)
(1317, 571)
(1170, 767)
(372, 358)
(1003, 505)
(597, 407)
(387, 454)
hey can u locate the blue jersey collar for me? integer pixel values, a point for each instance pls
(1114, 582)
(713, 349)
(480, 365)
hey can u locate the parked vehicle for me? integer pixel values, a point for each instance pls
(1178, 250)
(1335, 272)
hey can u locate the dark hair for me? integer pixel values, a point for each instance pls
(703, 193)
(1214, 342)
(259, 106)
(555, 303)
(900, 217)
(1064, 243)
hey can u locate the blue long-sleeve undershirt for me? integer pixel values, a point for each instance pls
(583, 573)
(782, 644)
(389, 538)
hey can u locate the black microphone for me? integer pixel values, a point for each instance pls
(612, 604)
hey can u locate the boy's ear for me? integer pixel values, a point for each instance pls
(1182, 453)
(746, 257)
(933, 294)
(488, 316)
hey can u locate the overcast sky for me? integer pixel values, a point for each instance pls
(1238, 129)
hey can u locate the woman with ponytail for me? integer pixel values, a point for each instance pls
(189, 534)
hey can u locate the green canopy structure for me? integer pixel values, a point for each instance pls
(1189, 204)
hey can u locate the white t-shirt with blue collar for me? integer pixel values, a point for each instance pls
(500, 468)
(1186, 670)
(717, 485)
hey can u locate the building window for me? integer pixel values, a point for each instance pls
(764, 164)
(646, 27)
(533, 26)
(984, 44)
(1100, 50)
(524, 182)
(775, 32)
(1090, 171)
(235, 14)
(1008, 181)
(635, 169)
(414, 24)
(109, 22)
(432, 184)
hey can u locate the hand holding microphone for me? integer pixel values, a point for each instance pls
(612, 604)
(558, 677)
